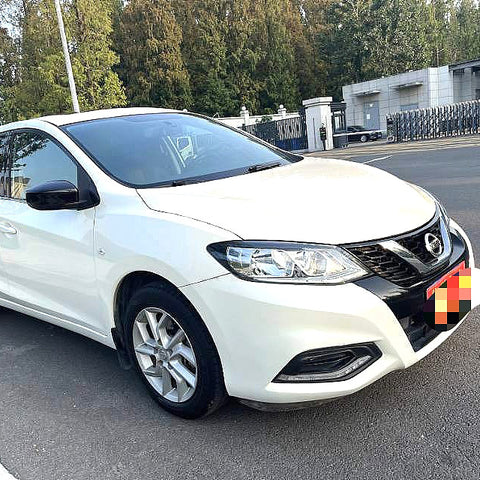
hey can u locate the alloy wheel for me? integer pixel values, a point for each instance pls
(165, 354)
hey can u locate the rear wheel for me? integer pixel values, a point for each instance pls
(173, 352)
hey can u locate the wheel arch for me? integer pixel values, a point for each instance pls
(127, 286)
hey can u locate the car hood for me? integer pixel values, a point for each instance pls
(314, 200)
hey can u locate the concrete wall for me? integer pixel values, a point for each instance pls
(466, 85)
(441, 86)
(416, 89)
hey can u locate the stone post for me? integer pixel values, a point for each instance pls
(282, 111)
(318, 114)
(245, 115)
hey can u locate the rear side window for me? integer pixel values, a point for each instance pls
(38, 159)
(4, 139)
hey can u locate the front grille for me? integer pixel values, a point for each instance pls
(386, 264)
(392, 267)
(407, 304)
(416, 243)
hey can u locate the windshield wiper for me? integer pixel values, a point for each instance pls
(177, 183)
(263, 166)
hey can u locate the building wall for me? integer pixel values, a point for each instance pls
(466, 84)
(428, 87)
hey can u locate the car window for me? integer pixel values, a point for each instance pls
(4, 141)
(158, 149)
(38, 159)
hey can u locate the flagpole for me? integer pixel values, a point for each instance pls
(66, 54)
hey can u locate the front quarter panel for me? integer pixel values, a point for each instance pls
(129, 237)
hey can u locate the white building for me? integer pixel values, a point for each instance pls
(368, 103)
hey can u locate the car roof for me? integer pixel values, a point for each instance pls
(60, 120)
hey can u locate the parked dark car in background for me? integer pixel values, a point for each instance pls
(357, 133)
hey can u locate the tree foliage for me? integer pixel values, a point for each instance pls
(214, 56)
(152, 67)
(9, 60)
(204, 49)
(90, 27)
(41, 85)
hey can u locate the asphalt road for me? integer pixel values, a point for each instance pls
(69, 412)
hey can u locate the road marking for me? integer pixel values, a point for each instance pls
(404, 147)
(411, 149)
(377, 159)
(4, 475)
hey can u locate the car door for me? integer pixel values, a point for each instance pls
(352, 134)
(48, 255)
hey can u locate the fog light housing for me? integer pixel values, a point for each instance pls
(332, 364)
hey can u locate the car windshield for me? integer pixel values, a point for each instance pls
(171, 149)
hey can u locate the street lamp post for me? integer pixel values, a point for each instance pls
(66, 54)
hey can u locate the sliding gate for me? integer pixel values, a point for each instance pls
(437, 122)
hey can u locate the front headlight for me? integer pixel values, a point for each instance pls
(287, 262)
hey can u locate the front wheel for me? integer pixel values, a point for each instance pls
(174, 352)
(364, 138)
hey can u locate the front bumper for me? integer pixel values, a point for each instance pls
(259, 328)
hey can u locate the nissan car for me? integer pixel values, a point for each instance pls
(218, 265)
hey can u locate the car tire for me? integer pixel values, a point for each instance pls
(150, 304)
(364, 138)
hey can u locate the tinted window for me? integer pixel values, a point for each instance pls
(153, 149)
(36, 160)
(3, 164)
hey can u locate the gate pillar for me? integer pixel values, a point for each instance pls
(318, 116)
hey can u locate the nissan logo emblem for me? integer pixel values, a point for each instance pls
(433, 244)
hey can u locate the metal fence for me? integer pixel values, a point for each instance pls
(288, 134)
(437, 122)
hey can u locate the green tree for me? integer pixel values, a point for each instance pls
(204, 50)
(9, 59)
(151, 62)
(399, 38)
(368, 39)
(90, 27)
(276, 70)
(243, 56)
(344, 44)
(442, 26)
(311, 68)
(42, 85)
(466, 31)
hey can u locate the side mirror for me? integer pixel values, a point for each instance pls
(56, 195)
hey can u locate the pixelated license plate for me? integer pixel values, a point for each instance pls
(449, 299)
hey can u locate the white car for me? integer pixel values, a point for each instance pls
(234, 269)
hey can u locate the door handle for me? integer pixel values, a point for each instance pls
(8, 229)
